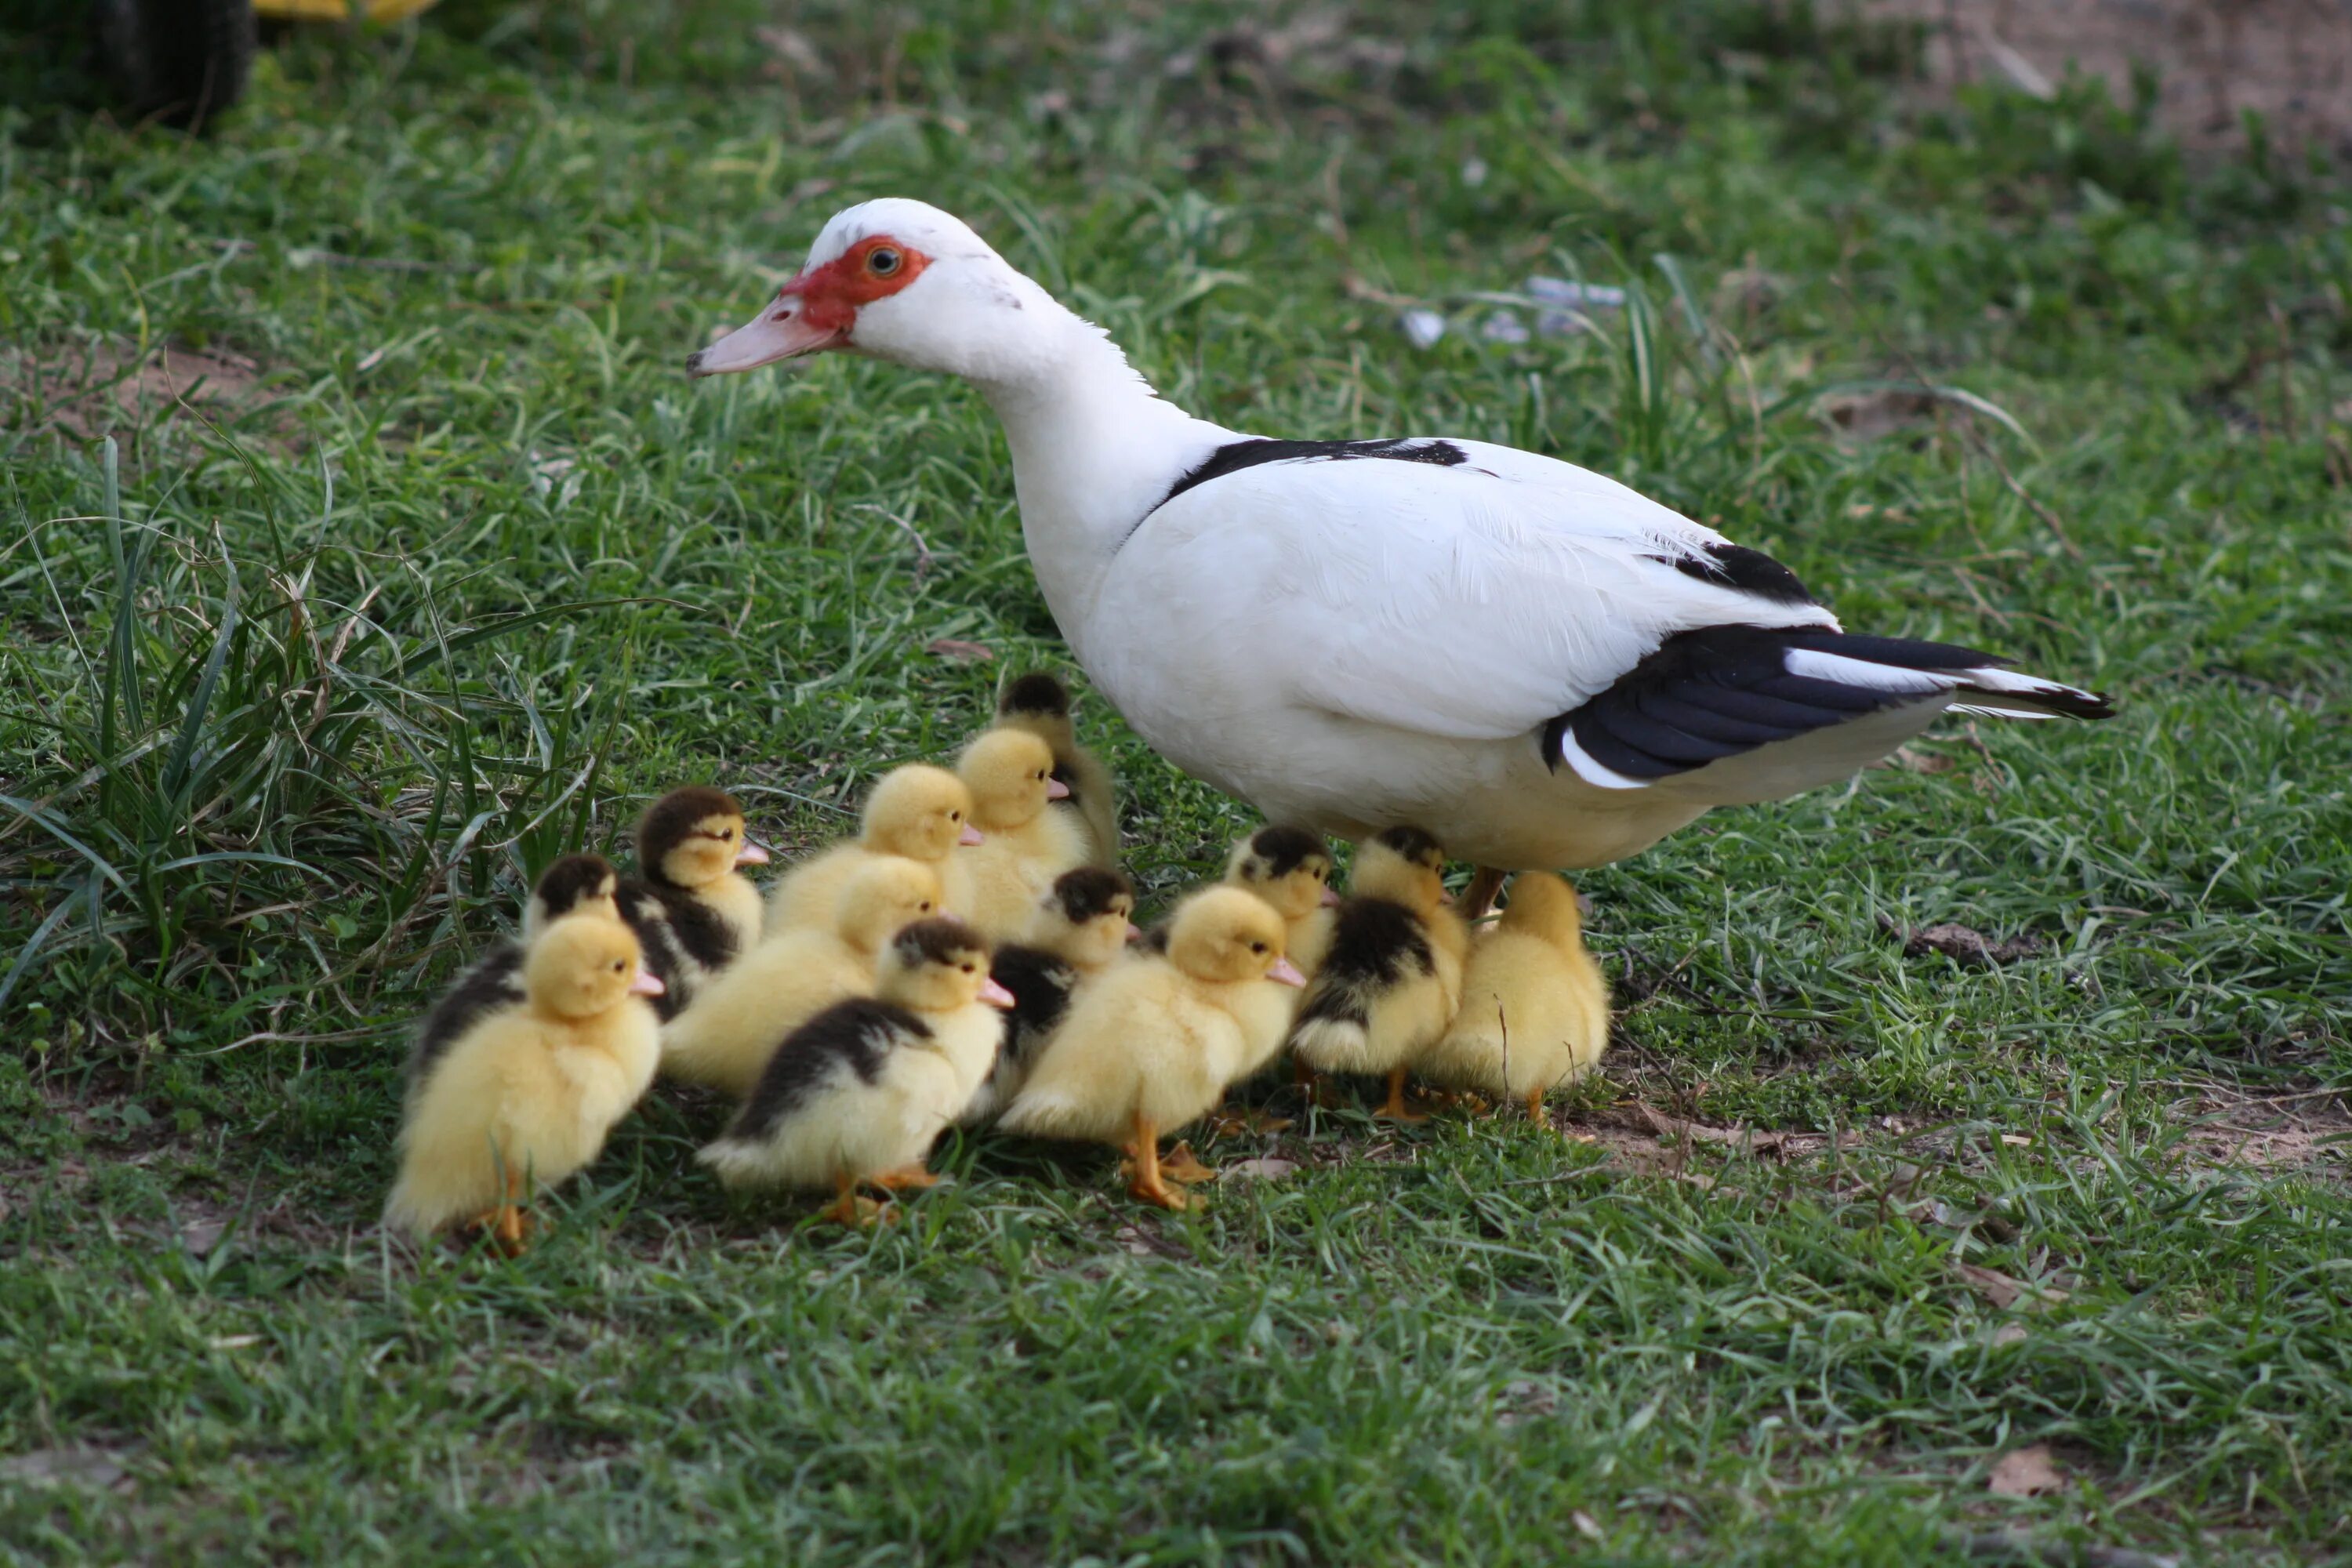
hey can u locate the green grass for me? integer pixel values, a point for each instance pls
(298, 683)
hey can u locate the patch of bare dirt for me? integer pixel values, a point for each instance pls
(2310, 1130)
(2289, 61)
(84, 391)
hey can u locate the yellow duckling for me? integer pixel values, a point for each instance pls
(690, 905)
(528, 1094)
(575, 884)
(859, 1092)
(918, 812)
(1290, 867)
(1080, 927)
(1010, 775)
(1041, 705)
(1535, 1005)
(725, 1039)
(1393, 978)
(1151, 1044)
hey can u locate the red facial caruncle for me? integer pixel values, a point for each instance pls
(817, 309)
(873, 268)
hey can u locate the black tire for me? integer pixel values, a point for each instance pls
(179, 61)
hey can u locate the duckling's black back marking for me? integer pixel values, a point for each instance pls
(1719, 691)
(1375, 944)
(673, 926)
(859, 1033)
(668, 820)
(1089, 892)
(1282, 850)
(1036, 693)
(1041, 985)
(494, 981)
(1235, 455)
(568, 879)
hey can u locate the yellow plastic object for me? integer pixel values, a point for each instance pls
(339, 10)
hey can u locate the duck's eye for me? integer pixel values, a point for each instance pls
(618, 966)
(883, 262)
(1257, 947)
(971, 969)
(925, 906)
(955, 816)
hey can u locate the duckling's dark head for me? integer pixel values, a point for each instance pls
(573, 884)
(691, 837)
(1036, 695)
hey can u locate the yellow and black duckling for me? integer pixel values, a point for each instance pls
(1150, 1043)
(573, 884)
(725, 1038)
(1080, 927)
(1041, 704)
(689, 904)
(918, 812)
(1010, 775)
(1535, 1005)
(528, 1094)
(858, 1093)
(1393, 978)
(1290, 867)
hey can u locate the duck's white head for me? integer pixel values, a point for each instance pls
(902, 280)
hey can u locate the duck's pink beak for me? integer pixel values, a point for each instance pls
(996, 996)
(1134, 931)
(970, 835)
(784, 331)
(1056, 790)
(645, 982)
(1286, 973)
(1330, 898)
(752, 853)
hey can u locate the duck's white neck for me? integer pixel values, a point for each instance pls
(1094, 449)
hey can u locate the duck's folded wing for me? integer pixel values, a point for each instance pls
(1495, 593)
(1475, 599)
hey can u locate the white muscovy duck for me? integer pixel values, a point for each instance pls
(1530, 661)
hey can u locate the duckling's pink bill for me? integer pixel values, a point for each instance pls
(971, 835)
(1056, 790)
(1330, 898)
(646, 983)
(782, 331)
(752, 853)
(1286, 973)
(996, 996)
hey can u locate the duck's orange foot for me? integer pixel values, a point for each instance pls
(851, 1210)
(903, 1178)
(1159, 1192)
(508, 1228)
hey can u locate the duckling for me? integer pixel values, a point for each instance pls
(573, 884)
(528, 1094)
(1041, 705)
(1393, 978)
(690, 905)
(1290, 867)
(1079, 928)
(725, 1038)
(1535, 1005)
(1010, 775)
(1151, 1044)
(859, 1092)
(918, 812)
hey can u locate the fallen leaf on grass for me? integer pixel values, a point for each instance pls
(2008, 1334)
(66, 1467)
(1584, 1525)
(962, 652)
(233, 1341)
(1957, 941)
(1911, 760)
(2027, 1472)
(1268, 1168)
(1742, 1137)
(199, 1237)
(2005, 1292)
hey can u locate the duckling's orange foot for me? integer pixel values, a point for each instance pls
(849, 1209)
(508, 1229)
(1396, 1110)
(1181, 1164)
(1228, 1124)
(1154, 1190)
(906, 1177)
